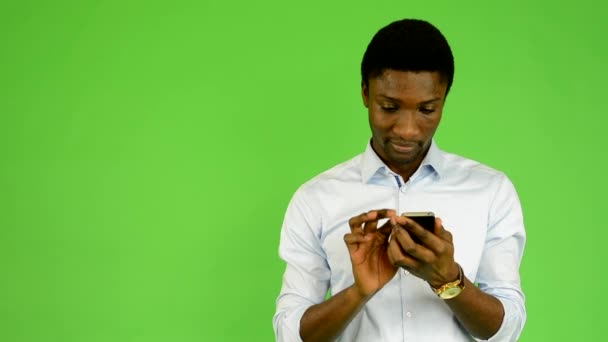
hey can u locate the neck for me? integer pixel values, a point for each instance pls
(405, 170)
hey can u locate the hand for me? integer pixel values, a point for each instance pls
(432, 260)
(367, 246)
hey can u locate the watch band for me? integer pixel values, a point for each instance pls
(453, 288)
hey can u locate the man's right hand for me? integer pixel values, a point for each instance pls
(367, 245)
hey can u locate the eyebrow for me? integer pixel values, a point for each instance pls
(435, 99)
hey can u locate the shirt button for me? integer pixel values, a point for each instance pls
(408, 314)
(402, 189)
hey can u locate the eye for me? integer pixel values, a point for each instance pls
(389, 109)
(427, 110)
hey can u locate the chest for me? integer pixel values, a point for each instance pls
(464, 212)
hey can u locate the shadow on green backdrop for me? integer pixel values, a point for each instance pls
(148, 151)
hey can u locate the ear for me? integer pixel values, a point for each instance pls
(365, 94)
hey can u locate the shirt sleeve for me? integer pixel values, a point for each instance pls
(307, 274)
(498, 273)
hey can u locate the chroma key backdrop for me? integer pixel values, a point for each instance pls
(148, 151)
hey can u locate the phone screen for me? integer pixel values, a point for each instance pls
(425, 219)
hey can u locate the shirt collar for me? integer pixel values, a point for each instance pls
(371, 163)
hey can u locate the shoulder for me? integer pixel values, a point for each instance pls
(465, 173)
(346, 172)
(460, 167)
(307, 202)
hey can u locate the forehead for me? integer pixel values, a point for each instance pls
(408, 85)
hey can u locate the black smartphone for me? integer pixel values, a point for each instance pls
(426, 219)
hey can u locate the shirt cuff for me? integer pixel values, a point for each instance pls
(287, 325)
(512, 323)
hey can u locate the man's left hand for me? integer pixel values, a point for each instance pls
(432, 259)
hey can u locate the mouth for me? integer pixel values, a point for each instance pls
(404, 147)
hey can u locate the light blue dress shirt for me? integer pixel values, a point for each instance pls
(477, 204)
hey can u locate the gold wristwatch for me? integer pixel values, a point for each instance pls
(451, 289)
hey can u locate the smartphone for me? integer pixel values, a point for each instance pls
(425, 219)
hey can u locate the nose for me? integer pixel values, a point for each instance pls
(406, 126)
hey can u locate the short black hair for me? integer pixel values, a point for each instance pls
(408, 45)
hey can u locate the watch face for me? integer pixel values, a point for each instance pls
(451, 292)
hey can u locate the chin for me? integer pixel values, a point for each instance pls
(403, 158)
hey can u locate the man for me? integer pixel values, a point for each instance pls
(389, 278)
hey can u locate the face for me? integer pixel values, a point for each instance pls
(404, 111)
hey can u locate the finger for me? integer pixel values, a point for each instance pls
(356, 222)
(426, 238)
(441, 231)
(370, 227)
(438, 229)
(381, 215)
(388, 224)
(385, 213)
(398, 258)
(386, 229)
(447, 236)
(353, 240)
(394, 252)
(411, 248)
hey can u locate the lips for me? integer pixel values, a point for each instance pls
(403, 147)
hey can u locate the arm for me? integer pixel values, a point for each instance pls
(498, 272)
(480, 313)
(433, 261)
(325, 321)
(495, 310)
(301, 313)
(367, 247)
(307, 274)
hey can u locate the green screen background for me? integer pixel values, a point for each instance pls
(148, 151)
